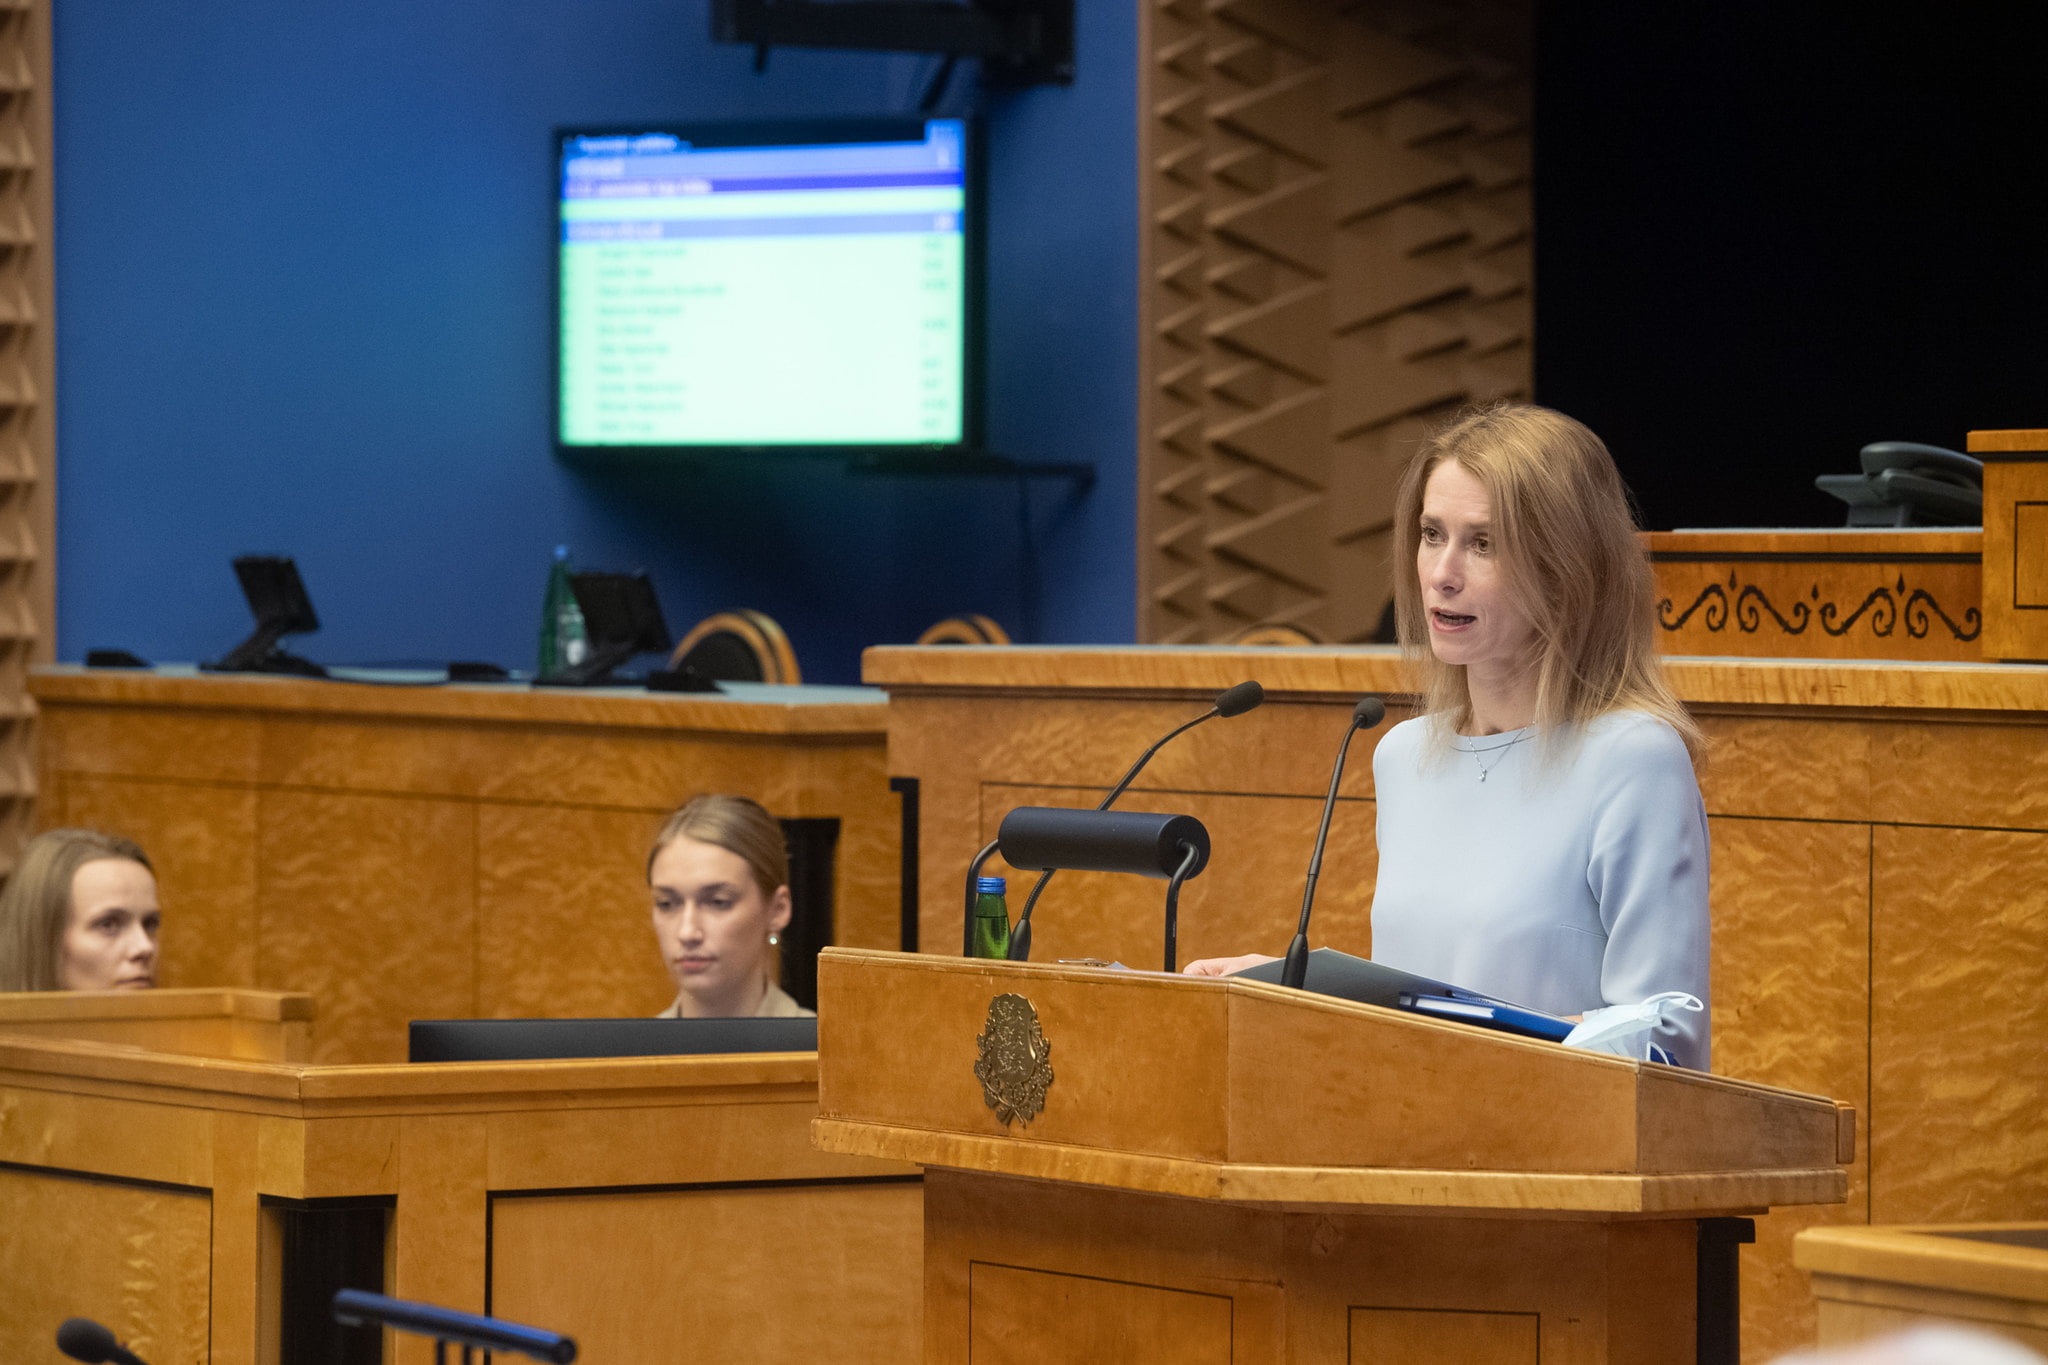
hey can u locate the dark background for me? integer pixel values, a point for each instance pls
(1768, 234)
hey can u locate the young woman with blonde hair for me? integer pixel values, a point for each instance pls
(719, 876)
(1541, 834)
(79, 914)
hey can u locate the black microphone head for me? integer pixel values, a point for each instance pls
(1369, 712)
(84, 1339)
(1235, 701)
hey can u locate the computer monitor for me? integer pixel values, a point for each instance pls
(522, 1040)
(735, 287)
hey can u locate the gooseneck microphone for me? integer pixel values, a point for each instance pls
(1231, 701)
(83, 1339)
(1369, 712)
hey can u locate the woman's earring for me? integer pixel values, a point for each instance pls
(773, 938)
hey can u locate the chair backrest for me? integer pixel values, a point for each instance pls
(1276, 635)
(738, 646)
(968, 628)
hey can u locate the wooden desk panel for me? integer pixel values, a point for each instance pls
(235, 1025)
(133, 1257)
(1873, 834)
(1875, 1280)
(408, 853)
(549, 1185)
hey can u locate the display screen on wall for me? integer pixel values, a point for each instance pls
(746, 287)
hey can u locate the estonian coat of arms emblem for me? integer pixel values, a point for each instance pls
(1016, 1060)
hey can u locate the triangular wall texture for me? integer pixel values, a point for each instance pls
(1337, 255)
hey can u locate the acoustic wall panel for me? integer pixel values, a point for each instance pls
(1336, 255)
(27, 420)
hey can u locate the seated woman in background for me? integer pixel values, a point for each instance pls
(719, 874)
(79, 914)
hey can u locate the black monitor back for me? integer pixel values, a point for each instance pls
(525, 1040)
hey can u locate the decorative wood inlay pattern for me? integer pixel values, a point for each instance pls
(28, 445)
(1820, 594)
(1335, 251)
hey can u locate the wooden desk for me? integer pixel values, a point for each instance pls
(245, 1025)
(443, 852)
(634, 1204)
(1224, 1170)
(1880, 834)
(1870, 1281)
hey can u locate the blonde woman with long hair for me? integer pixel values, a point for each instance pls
(79, 914)
(1541, 834)
(719, 878)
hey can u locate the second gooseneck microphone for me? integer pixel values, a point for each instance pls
(1369, 712)
(1232, 701)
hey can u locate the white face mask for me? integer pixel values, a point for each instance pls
(1631, 1030)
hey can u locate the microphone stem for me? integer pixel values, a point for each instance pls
(1180, 874)
(1020, 937)
(1146, 757)
(1296, 969)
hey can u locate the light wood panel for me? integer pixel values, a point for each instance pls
(1959, 1076)
(132, 1257)
(762, 1273)
(368, 903)
(302, 829)
(1329, 672)
(2015, 542)
(1875, 1280)
(244, 1025)
(1391, 1335)
(531, 901)
(441, 1141)
(1791, 980)
(1025, 1316)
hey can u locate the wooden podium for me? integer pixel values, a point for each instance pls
(1223, 1170)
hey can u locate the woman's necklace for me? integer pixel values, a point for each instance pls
(1500, 751)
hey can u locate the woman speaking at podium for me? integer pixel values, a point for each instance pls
(1541, 834)
(719, 876)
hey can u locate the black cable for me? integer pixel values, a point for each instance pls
(1173, 905)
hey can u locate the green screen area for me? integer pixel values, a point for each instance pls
(827, 339)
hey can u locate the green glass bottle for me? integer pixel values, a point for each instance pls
(563, 641)
(991, 936)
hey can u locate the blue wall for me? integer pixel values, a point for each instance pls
(304, 262)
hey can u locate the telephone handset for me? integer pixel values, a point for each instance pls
(1906, 484)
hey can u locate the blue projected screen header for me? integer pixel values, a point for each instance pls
(718, 289)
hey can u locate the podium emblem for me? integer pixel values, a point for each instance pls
(1016, 1060)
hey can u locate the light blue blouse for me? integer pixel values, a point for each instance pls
(1573, 876)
